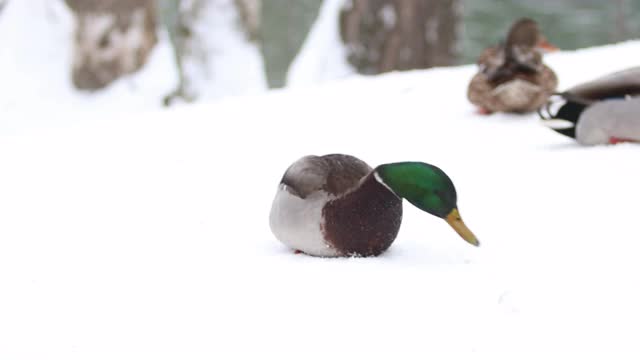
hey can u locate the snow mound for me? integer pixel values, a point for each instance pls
(323, 56)
(143, 234)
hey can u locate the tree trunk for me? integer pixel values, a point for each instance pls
(621, 31)
(387, 35)
(112, 38)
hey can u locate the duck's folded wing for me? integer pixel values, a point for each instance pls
(344, 172)
(616, 85)
(606, 120)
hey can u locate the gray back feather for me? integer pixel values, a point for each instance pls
(334, 174)
(625, 82)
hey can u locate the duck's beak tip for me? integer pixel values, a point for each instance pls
(547, 47)
(455, 221)
(474, 242)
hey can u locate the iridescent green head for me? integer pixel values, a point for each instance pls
(428, 188)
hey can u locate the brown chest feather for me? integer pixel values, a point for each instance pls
(364, 222)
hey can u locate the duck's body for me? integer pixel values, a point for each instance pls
(512, 77)
(602, 111)
(336, 205)
(520, 93)
(317, 211)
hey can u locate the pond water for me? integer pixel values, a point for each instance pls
(569, 24)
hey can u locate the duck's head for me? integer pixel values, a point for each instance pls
(428, 188)
(525, 33)
(562, 113)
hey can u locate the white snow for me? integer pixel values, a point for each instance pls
(323, 56)
(128, 232)
(228, 64)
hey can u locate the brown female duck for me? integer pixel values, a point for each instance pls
(511, 75)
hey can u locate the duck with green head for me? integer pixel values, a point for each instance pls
(337, 205)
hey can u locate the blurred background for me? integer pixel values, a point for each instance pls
(178, 51)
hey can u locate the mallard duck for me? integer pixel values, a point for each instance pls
(602, 111)
(337, 205)
(511, 76)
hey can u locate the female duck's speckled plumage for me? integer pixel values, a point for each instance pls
(512, 76)
(337, 205)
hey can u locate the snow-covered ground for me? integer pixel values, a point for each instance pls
(129, 232)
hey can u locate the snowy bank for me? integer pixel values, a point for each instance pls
(143, 234)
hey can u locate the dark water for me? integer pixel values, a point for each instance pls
(569, 24)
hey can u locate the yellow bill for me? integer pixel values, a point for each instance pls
(458, 225)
